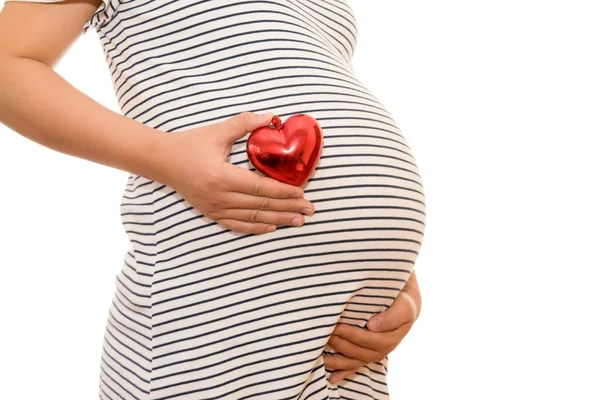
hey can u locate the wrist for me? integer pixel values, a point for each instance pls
(152, 155)
(412, 292)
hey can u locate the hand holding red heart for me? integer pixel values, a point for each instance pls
(236, 198)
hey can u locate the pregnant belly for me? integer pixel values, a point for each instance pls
(348, 261)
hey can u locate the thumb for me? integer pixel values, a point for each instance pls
(238, 126)
(402, 311)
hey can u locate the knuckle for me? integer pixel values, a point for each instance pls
(265, 203)
(350, 352)
(213, 214)
(257, 189)
(245, 117)
(340, 364)
(254, 216)
(213, 179)
(215, 202)
(236, 123)
(357, 365)
(224, 224)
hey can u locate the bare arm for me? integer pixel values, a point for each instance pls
(412, 288)
(39, 104)
(358, 347)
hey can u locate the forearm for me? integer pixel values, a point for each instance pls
(412, 288)
(39, 104)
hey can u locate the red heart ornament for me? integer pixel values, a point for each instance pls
(288, 152)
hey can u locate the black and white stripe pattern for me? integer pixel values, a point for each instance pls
(203, 313)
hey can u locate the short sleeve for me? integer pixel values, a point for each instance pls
(99, 19)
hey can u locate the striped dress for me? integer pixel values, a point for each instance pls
(200, 312)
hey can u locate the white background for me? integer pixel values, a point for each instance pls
(500, 102)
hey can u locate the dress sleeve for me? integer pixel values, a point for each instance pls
(100, 17)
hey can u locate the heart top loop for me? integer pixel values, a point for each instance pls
(276, 121)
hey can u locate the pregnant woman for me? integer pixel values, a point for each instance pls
(236, 286)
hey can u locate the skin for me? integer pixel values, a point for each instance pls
(386, 331)
(193, 162)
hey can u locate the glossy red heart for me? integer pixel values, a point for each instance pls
(288, 152)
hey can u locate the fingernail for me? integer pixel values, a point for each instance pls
(375, 324)
(271, 228)
(297, 221)
(308, 211)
